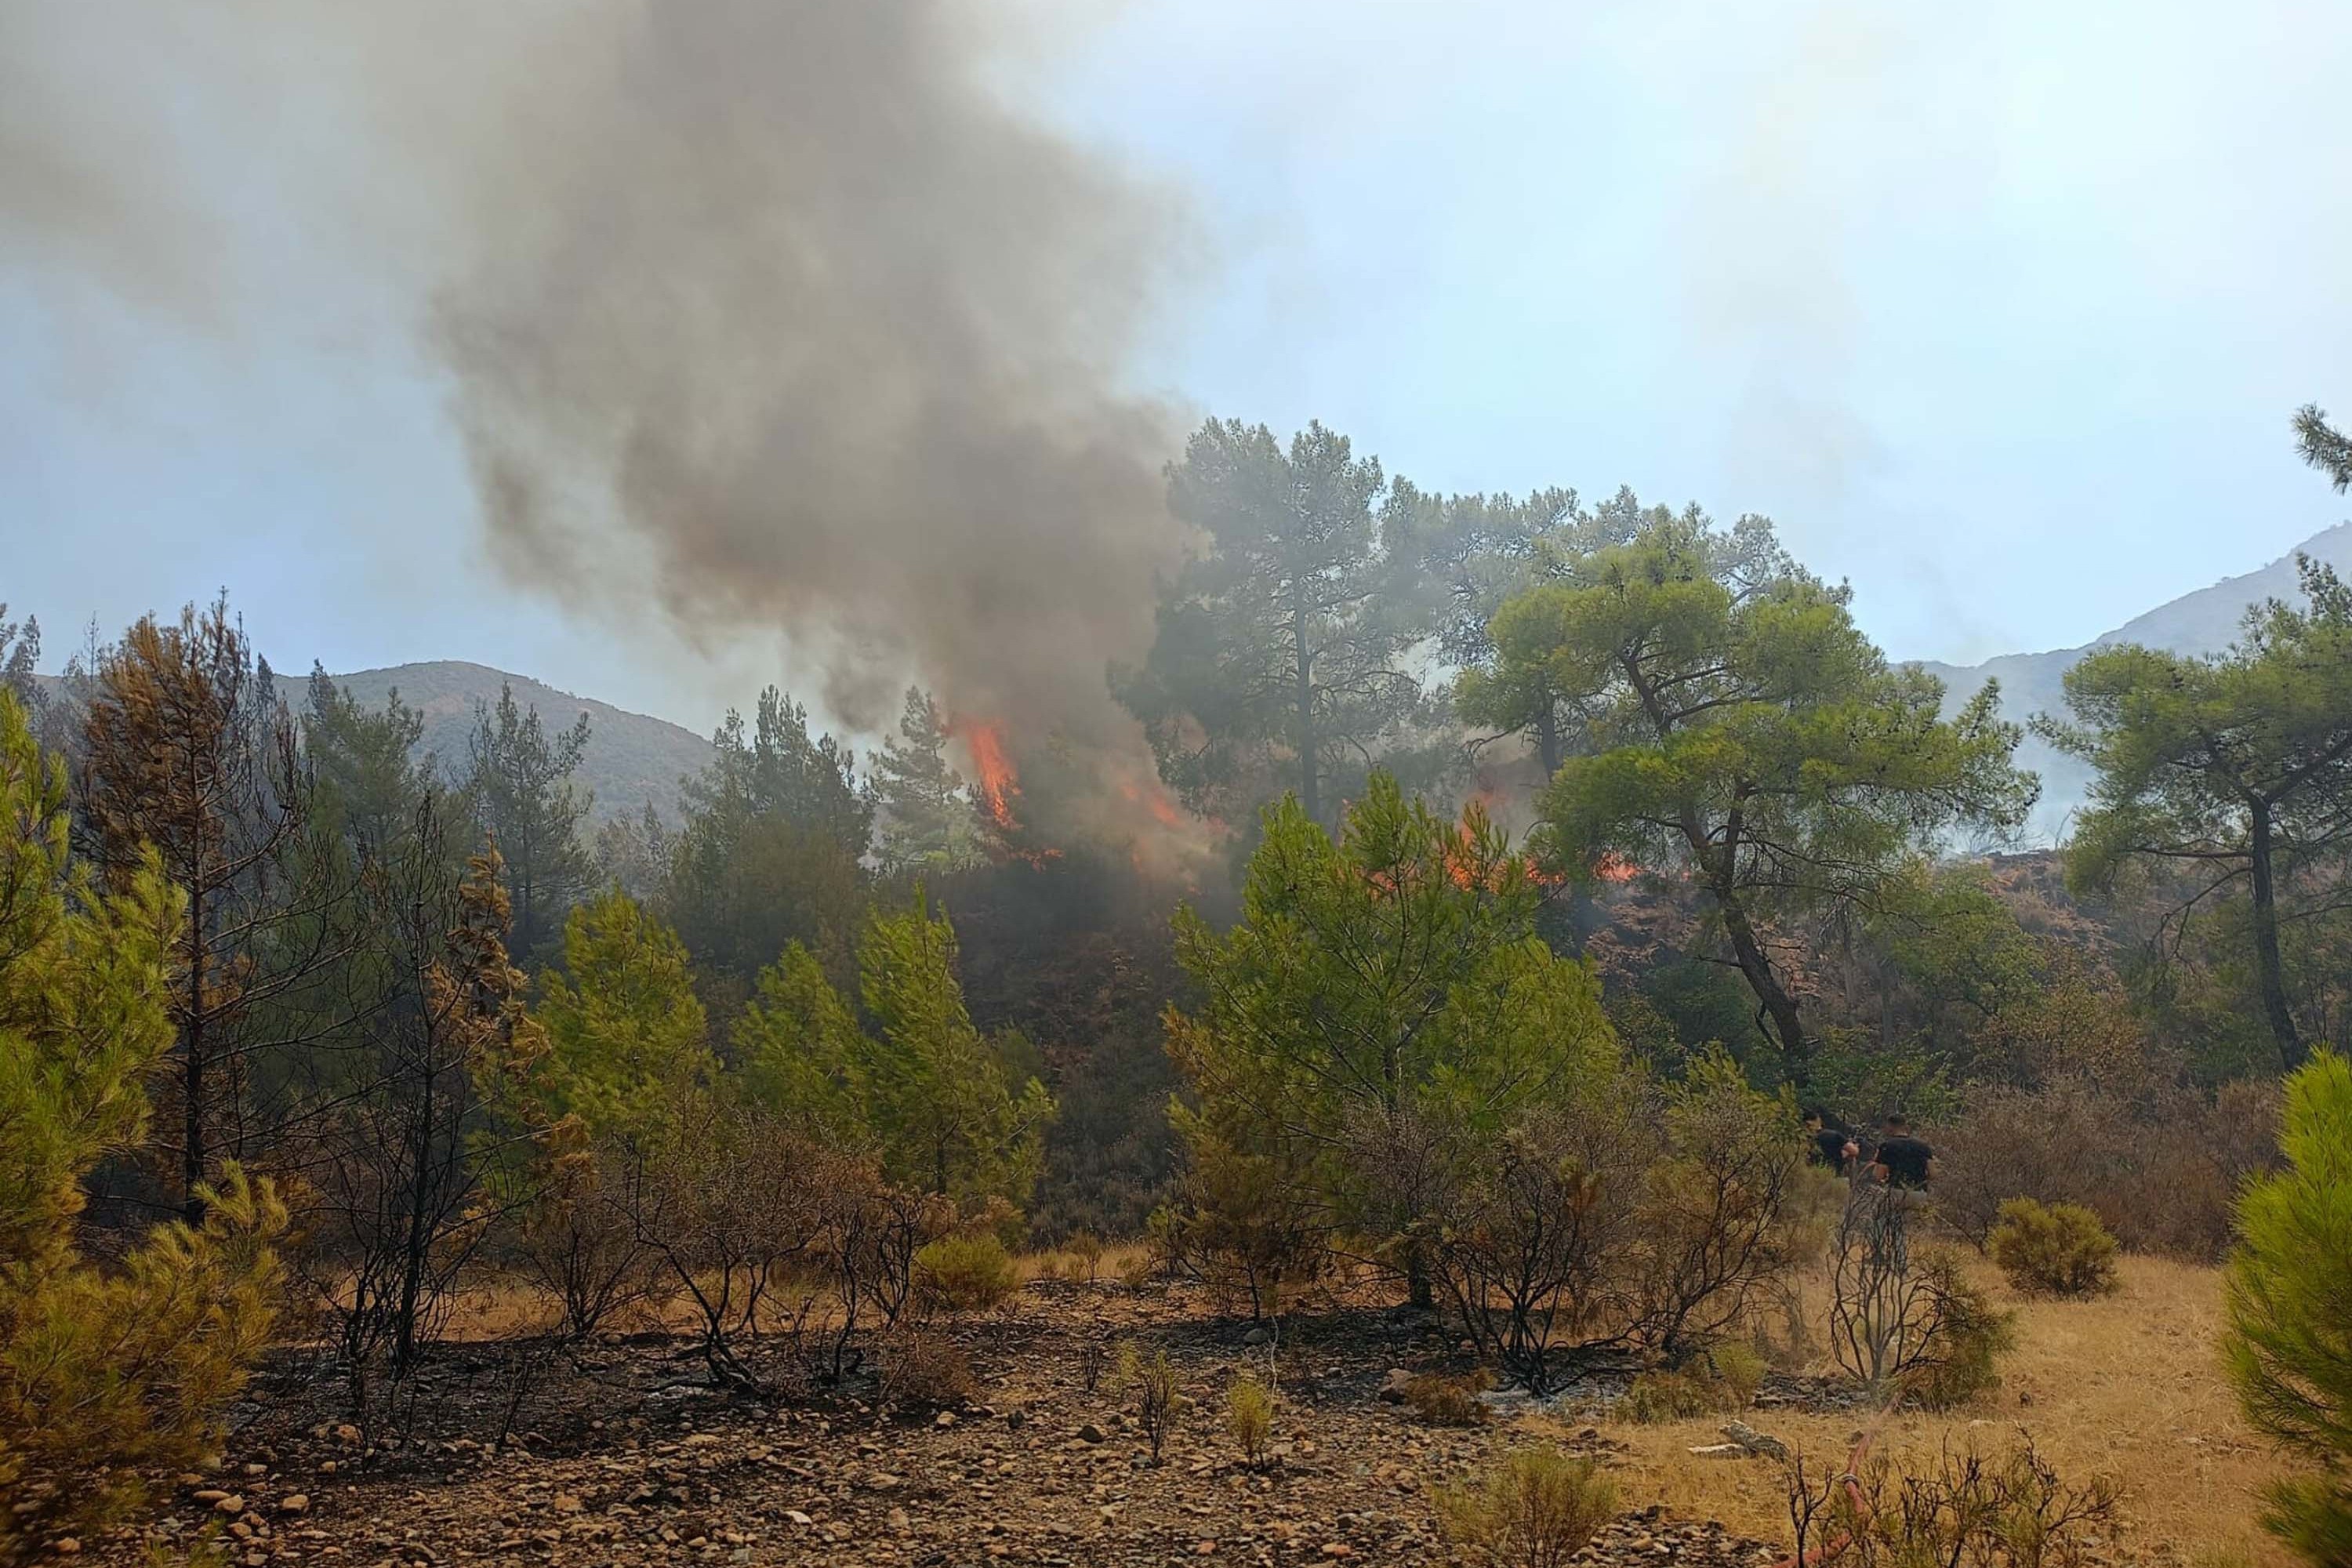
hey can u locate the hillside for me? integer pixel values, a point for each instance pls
(632, 759)
(2203, 622)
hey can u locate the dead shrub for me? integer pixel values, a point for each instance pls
(1906, 1325)
(1534, 1508)
(2009, 1511)
(2158, 1162)
(579, 1243)
(1151, 1382)
(1717, 1381)
(927, 1369)
(1445, 1400)
(1632, 1214)
(966, 1273)
(2053, 1249)
(1092, 1357)
(1086, 1249)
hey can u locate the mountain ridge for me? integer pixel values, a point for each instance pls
(2203, 621)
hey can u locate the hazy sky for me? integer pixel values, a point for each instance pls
(1999, 309)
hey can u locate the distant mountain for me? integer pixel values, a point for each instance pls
(632, 760)
(2206, 621)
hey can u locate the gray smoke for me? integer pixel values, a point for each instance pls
(768, 315)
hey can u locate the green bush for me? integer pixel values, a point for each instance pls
(2287, 1351)
(1535, 1508)
(966, 1273)
(1722, 1378)
(2053, 1249)
(1249, 1416)
(1959, 1359)
(1151, 1383)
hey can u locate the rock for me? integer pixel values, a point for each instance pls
(1720, 1451)
(1337, 1548)
(568, 1502)
(898, 1522)
(348, 1435)
(208, 1495)
(1090, 1432)
(944, 1419)
(297, 1503)
(1257, 1337)
(65, 1546)
(231, 1505)
(1392, 1387)
(1762, 1444)
(1015, 1419)
(794, 1516)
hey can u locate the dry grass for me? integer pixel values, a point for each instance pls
(2130, 1386)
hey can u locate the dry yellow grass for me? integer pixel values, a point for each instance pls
(2130, 1386)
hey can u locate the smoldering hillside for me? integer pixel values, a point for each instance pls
(756, 317)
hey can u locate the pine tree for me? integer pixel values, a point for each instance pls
(1744, 733)
(101, 1371)
(2289, 1340)
(926, 822)
(626, 1034)
(799, 1048)
(188, 751)
(369, 781)
(518, 779)
(950, 1111)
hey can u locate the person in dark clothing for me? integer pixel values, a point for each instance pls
(1832, 1145)
(1902, 1161)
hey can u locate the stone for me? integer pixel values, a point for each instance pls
(231, 1505)
(1720, 1451)
(1392, 1387)
(1337, 1548)
(65, 1546)
(1090, 1432)
(898, 1522)
(1257, 1337)
(1762, 1444)
(946, 1419)
(568, 1502)
(299, 1503)
(795, 1516)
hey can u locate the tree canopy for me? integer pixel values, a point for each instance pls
(1745, 735)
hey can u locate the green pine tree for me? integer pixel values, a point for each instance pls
(2290, 1302)
(103, 1370)
(627, 1037)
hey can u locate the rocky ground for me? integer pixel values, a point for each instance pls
(626, 1455)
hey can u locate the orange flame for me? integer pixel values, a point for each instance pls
(997, 783)
(1614, 867)
(1155, 801)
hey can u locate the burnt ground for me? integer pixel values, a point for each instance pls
(625, 1454)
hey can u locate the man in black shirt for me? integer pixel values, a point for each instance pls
(1832, 1145)
(1903, 1162)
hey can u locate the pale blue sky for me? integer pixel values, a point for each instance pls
(2000, 310)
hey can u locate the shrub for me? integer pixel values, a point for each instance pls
(1151, 1383)
(928, 1369)
(2159, 1162)
(1249, 1416)
(2009, 1511)
(1967, 1336)
(1722, 1378)
(2286, 1347)
(1444, 1401)
(1245, 1225)
(1899, 1323)
(1091, 1357)
(1535, 1508)
(966, 1273)
(102, 1372)
(2053, 1249)
(1086, 1249)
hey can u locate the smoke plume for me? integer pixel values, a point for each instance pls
(764, 315)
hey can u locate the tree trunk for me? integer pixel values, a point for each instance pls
(192, 1066)
(1547, 740)
(2267, 942)
(1302, 665)
(1779, 1006)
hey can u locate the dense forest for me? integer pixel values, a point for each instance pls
(1533, 840)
